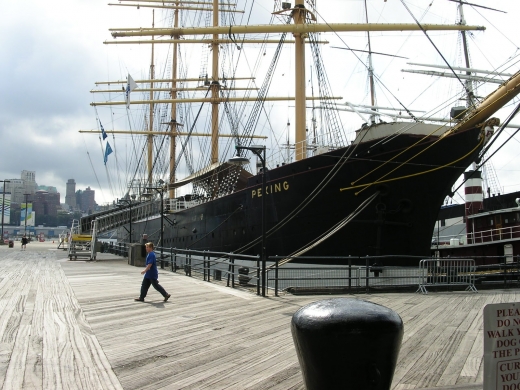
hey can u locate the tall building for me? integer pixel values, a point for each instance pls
(17, 189)
(29, 176)
(29, 182)
(86, 200)
(46, 203)
(70, 195)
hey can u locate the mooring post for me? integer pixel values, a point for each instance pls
(346, 343)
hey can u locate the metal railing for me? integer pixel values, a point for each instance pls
(236, 269)
(498, 234)
(112, 219)
(490, 235)
(447, 272)
(179, 204)
(357, 275)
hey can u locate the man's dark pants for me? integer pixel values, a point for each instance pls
(146, 285)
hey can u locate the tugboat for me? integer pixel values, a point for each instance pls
(487, 230)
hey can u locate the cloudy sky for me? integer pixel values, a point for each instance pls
(51, 54)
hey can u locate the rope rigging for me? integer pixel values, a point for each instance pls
(509, 118)
(468, 92)
(379, 181)
(333, 121)
(262, 93)
(333, 230)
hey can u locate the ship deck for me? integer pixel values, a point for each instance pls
(74, 324)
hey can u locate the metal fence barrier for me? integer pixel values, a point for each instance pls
(447, 272)
(243, 270)
(354, 277)
(356, 274)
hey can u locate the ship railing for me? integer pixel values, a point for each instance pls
(447, 272)
(495, 234)
(179, 204)
(120, 217)
(319, 145)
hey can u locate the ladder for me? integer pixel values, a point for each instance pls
(81, 245)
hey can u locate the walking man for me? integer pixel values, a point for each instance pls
(151, 275)
(24, 242)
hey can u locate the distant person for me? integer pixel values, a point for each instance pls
(151, 275)
(24, 242)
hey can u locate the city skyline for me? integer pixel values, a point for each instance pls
(27, 185)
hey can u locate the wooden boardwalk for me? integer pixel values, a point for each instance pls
(74, 325)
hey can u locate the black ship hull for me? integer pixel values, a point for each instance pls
(399, 220)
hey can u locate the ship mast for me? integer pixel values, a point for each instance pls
(370, 70)
(215, 87)
(468, 83)
(150, 126)
(470, 101)
(300, 30)
(300, 120)
(173, 116)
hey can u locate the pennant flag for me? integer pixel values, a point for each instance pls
(108, 150)
(130, 86)
(102, 130)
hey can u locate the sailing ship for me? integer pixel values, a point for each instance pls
(376, 194)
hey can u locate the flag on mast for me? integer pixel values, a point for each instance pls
(108, 150)
(130, 86)
(102, 130)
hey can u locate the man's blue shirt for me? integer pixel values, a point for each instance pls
(152, 272)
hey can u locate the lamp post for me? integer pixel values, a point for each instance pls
(160, 190)
(438, 228)
(26, 209)
(259, 150)
(3, 207)
(130, 222)
(129, 202)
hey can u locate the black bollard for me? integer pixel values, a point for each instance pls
(243, 278)
(345, 343)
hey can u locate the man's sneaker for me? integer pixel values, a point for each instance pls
(167, 297)
(138, 300)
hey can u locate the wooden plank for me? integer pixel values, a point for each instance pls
(42, 341)
(33, 377)
(10, 325)
(456, 363)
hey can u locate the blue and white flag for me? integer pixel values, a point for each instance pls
(108, 150)
(130, 86)
(102, 130)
